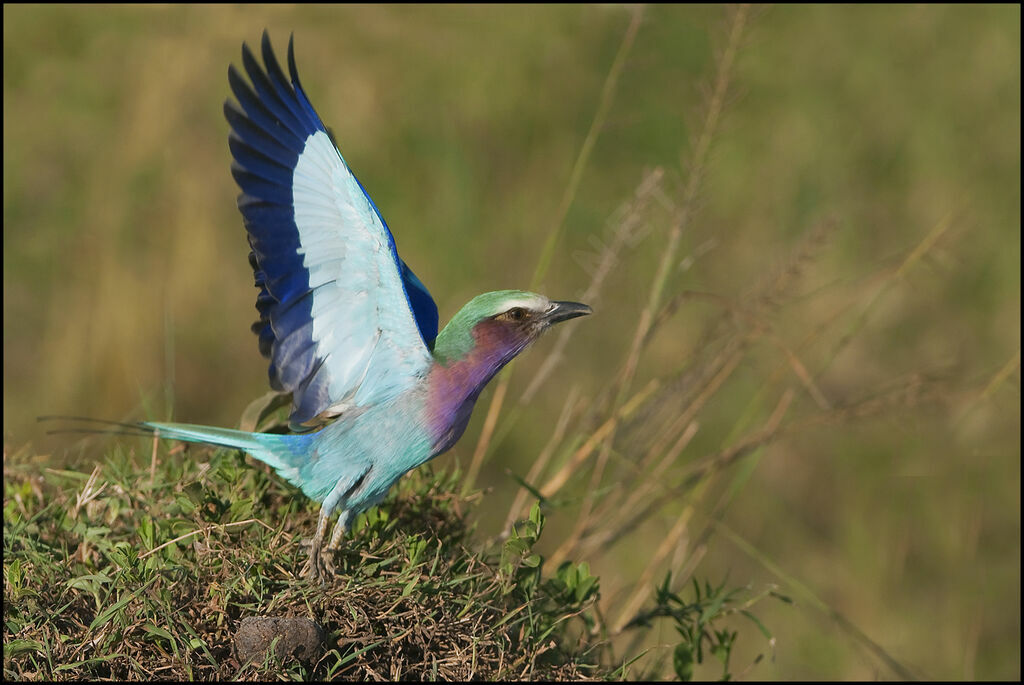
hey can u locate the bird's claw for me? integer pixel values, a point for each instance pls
(316, 567)
(328, 562)
(320, 564)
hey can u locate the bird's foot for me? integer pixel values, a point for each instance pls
(321, 562)
(318, 566)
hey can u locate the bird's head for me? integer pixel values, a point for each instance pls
(497, 326)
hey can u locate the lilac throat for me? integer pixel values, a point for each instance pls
(452, 389)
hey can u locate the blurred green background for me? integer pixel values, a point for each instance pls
(127, 292)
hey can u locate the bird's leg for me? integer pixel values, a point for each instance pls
(335, 544)
(314, 565)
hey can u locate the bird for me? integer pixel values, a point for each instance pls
(350, 332)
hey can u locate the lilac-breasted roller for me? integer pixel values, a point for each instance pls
(349, 330)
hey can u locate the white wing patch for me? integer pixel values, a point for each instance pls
(362, 324)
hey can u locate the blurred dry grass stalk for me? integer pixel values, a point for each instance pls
(643, 435)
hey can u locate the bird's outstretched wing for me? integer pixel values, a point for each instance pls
(343, 320)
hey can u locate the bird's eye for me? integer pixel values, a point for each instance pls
(514, 314)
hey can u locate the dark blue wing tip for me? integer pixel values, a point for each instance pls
(293, 71)
(266, 47)
(269, 125)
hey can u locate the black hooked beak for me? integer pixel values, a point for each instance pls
(563, 311)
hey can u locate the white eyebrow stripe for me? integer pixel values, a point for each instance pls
(535, 304)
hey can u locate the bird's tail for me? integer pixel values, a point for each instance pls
(285, 453)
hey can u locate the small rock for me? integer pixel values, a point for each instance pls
(300, 638)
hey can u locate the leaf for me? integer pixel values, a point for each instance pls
(104, 616)
(711, 610)
(73, 475)
(585, 587)
(260, 408)
(146, 532)
(159, 632)
(529, 488)
(764, 631)
(123, 555)
(13, 647)
(88, 582)
(537, 517)
(682, 662)
(241, 509)
(721, 652)
(516, 546)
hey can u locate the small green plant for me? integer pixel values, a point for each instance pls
(699, 622)
(519, 566)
